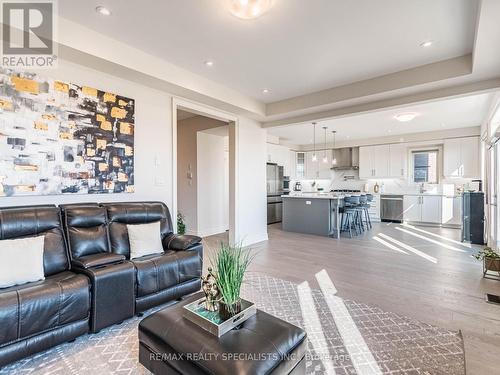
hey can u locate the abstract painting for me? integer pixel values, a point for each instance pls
(58, 137)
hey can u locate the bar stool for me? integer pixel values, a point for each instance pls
(364, 216)
(349, 215)
(369, 198)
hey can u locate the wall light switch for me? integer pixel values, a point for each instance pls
(308, 202)
(160, 181)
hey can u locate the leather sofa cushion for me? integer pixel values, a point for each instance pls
(96, 260)
(86, 229)
(180, 242)
(121, 214)
(261, 336)
(37, 307)
(158, 272)
(36, 221)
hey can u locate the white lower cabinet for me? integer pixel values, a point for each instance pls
(411, 207)
(422, 208)
(431, 209)
(374, 210)
(451, 211)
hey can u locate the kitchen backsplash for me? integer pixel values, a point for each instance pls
(350, 180)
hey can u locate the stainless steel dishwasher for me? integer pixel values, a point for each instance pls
(391, 208)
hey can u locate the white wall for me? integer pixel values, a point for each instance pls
(213, 195)
(153, 139)
(251, 193)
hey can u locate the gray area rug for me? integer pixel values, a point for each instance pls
(345, 337)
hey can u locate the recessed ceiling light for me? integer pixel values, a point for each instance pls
(209, 63)
(266, 91)
(103, 10)
(248, 9)
(427, 43)
(405, 117)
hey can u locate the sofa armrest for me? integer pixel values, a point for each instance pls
(180, 242)
(96, 260)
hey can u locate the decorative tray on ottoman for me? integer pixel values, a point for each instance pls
(212, 322)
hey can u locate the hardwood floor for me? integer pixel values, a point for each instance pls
(435, 280)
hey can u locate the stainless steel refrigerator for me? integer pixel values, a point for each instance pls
(274, 173)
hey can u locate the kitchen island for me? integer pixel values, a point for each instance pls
(313, 213)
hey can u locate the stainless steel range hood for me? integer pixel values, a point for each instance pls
(347, 158)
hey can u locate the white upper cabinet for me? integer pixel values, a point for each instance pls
(470, 157)
(312, 171)
(365, 162)
(280, 155)
(461, 157)
(374, 162)
(398, 160)
(452, 158)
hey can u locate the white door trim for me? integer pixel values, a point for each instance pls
(180, 103)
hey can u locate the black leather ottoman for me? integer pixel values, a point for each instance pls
(171, 344)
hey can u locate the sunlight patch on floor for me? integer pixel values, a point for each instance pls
(435, 235)
(442, 244)
(312, 324)
(359, 353)
(409, 248)
(389, 245)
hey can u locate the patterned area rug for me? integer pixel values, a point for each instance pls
(345, 337)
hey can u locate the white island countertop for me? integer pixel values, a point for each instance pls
(315, 195)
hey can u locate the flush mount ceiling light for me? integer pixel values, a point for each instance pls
(209, 63)
(248, 9)
(405, 117)
(103, 10)
(266, 91)
(426, 44)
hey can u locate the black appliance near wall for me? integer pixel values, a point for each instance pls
(473, 217)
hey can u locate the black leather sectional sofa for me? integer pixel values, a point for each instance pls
(90, 282)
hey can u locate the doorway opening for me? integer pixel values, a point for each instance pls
(205, 171)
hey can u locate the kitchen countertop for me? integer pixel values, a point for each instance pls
(337, 196)
(424, 194)
(315, 196)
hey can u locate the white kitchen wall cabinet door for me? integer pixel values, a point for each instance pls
(398, 161)
(292, 156)
(452, 158)
(470, 157)
(431, 209)
(312, 167)
(412, 208)
(461, 157)
(381, 158)
(300, 165)
(365, 162)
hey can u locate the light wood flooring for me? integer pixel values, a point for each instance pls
(449, 293)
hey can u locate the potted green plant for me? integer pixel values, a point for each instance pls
(229, 265)
(490, 259)
(181, 226)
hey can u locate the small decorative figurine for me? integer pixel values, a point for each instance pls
(211, 291)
